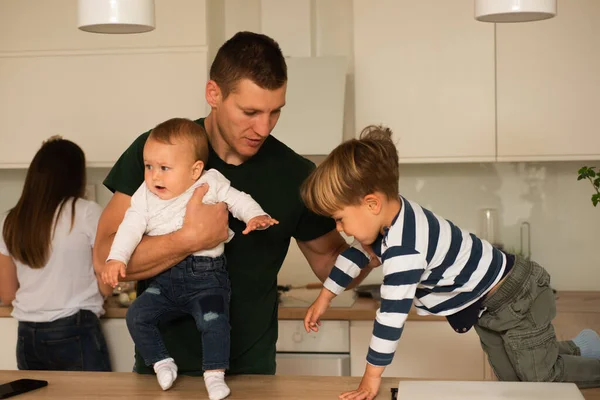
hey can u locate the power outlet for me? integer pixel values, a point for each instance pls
(90, 192)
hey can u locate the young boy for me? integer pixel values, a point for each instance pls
(442, 269)
(174, 158)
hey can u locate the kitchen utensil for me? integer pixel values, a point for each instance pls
(489, 228)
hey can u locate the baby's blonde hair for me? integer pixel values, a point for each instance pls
(183, 128)
(354, 169)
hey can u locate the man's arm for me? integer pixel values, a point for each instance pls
(322, 252)
(204, 227)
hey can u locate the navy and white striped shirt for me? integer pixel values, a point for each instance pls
(426, 260)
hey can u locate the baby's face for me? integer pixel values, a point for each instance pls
(170, 169)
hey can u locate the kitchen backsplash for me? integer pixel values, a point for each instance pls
(565, 227)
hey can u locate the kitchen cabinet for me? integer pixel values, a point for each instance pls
(101, 91)
(426, 69)
(427, 349)
(548, 86)
(324, 353)
(120, 344)
(8, 343)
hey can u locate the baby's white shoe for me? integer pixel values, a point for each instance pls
(215, 385)
(166, 372)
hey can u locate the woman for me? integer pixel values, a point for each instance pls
(46, 265)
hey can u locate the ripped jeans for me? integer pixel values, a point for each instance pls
(198, 286)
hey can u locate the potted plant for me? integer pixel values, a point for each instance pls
(593, 176)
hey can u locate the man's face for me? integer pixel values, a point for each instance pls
(247, 116)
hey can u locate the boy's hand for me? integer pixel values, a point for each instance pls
(312, 320)
(369, 385)
(111, 272)
(259, 223)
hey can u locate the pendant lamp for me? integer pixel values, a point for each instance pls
(116, 16)
(503, 11)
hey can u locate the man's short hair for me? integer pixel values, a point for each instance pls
(249, 55)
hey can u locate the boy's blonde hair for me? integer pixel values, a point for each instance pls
(183, 129)
(354, 169)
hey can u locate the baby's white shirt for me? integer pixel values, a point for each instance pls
(151, 215)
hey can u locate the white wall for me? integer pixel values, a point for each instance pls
(565, 226)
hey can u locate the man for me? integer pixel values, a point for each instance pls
(246, 92)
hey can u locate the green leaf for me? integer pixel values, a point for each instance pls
(596, 199)
(582, 170)
(597, 182)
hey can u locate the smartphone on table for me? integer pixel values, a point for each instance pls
(20, 386)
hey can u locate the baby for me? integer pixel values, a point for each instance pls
(175, 154)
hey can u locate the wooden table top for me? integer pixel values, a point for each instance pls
(131, 386)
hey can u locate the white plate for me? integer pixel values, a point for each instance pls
(490, 390)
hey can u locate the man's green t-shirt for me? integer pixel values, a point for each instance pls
(272, 177)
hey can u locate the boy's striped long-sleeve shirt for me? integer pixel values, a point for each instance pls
(426, 260)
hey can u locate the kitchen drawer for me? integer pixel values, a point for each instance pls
(311, 364)
(333, 337)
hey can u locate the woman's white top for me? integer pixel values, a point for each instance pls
(67, 283)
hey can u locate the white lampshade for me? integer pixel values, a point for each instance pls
(116, 16)
(514, 10)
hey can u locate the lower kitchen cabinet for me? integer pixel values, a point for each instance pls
(8, 343)
(427, 349)
(323, 353)
(120, 344)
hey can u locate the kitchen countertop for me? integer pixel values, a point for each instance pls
(110, 385)
(364, 309)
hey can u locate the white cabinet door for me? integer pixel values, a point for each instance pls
(427, 349)
(313, 364)
(8, 343)
(101, 91)
(426, 69)
(100, 101)
(549, 86)
(120, 344)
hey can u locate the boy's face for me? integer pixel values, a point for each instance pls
(358, 221)
(170, 169)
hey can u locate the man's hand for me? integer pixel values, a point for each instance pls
(312, 320)
(205, 225)
(259, 223)
(369, 385)
(111, 272)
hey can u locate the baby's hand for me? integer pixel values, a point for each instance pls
(259, 223)
(111, 272)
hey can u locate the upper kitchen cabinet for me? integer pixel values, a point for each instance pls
(549, 86)
(426, 69)
(101, 91)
